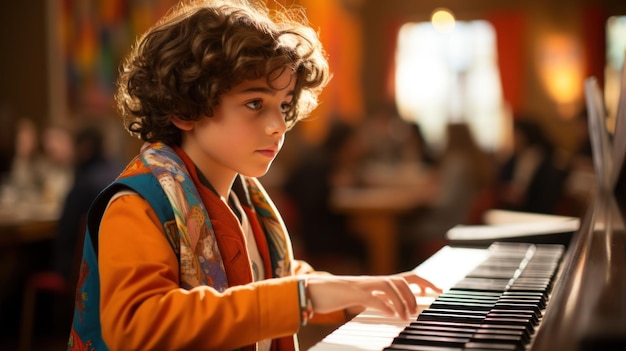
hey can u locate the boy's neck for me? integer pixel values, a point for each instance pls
(219, 183)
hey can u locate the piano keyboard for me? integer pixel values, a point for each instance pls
(493, 300)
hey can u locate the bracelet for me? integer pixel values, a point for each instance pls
(306, 306)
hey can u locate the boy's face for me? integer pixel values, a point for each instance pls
(246, 131)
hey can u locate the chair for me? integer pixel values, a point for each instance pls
(46, 281)
(50, 282)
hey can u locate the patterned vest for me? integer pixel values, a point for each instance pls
(159, 175)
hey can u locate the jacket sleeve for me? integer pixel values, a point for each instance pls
(143, 307)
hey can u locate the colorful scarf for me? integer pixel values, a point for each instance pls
(195, 245)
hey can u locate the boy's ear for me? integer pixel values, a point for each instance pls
(182, 124)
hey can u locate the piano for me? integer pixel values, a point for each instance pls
(524, 292)
(474, 282)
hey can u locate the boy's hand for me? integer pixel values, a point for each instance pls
(423, 284)
(389, 294)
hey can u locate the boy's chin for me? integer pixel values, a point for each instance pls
(255, 174)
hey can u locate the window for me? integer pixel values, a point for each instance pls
(445, 76)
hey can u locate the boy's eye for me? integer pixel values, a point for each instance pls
(254, 105)
(284, 108)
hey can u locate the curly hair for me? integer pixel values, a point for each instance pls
(200, 50)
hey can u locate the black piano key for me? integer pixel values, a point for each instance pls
(521, 299)
(480, 328)
(435, 326)
(511, 321)
(457, 311)
(532, 281)
(465, 301)
(471, 298)
(484, 346)
(517, 306)
(499, 338)
(540, 294)
(526, 295)
(493, 272)
(484, 284)
(431, 340)
(477, 287)
(541, 303)
(519, 334)
(437, 332)
(532, 274)
(483, 281)
(527, 277)
(406, 347)
(461, 305)
(520, 288)
(455, 318)
(417, 332)
(535, 273)
(502, 326)
(531, 318)
(435, 323)
(456, 291)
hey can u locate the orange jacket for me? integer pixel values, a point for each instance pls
(143, 307)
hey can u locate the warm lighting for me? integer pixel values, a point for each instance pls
(450, 77)
(561, 71)
(442, 20)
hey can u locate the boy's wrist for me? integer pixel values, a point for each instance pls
(304, 299)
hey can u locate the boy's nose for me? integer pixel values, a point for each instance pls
(277, 123)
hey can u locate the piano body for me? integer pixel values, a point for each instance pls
(585, 282)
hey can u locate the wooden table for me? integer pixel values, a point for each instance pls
(374, 212)
(15, 233)
(27, 226)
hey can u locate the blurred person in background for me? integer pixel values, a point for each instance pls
(395, 151)
(580, 183)
(41, 170)
(25, 180)
(94, 170)
(391, 146)
(464, 171)
(529, 180)
(58, 148)
(326, 238)
(40, 176)
(416, 148)
(385, 134)
(58, 259)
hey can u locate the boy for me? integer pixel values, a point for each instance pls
(185, 250)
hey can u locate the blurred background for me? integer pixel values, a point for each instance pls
(437, 112)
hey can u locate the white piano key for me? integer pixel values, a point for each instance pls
(373, 330)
